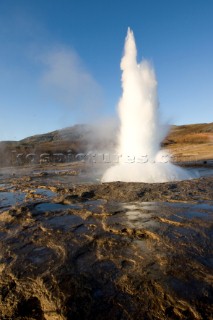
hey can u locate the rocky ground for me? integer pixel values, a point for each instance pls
(104, 251)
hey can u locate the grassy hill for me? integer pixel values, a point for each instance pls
(191, 142)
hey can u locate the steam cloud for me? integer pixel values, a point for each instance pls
(140, 132)
(71, 84)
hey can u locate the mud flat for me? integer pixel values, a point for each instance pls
(104, 251)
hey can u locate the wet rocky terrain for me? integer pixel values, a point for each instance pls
(73, 248)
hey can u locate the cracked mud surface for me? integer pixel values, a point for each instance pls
(105, 251)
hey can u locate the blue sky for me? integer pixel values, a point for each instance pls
(60, 60)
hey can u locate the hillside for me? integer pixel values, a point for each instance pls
(186, 142)
(191, 142)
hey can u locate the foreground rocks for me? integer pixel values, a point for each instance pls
(106, 251)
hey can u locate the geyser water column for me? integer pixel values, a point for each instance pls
(140, 131)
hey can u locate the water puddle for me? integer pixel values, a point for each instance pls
(13, 198)
(48, 206)
(45, 192)
(8, 199)
(91, 205)
(147, 214)
(191, 210)
(141, 214)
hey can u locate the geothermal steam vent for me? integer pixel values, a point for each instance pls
(141, 133)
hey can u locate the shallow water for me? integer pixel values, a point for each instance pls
(146, 210)
(45, 192)
(50, 206)
(8, 199)
(14, 198)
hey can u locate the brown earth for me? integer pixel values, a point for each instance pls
(120, 251)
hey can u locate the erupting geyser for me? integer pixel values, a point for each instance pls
(140, 135)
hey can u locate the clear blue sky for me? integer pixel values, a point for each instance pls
(60, 60)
